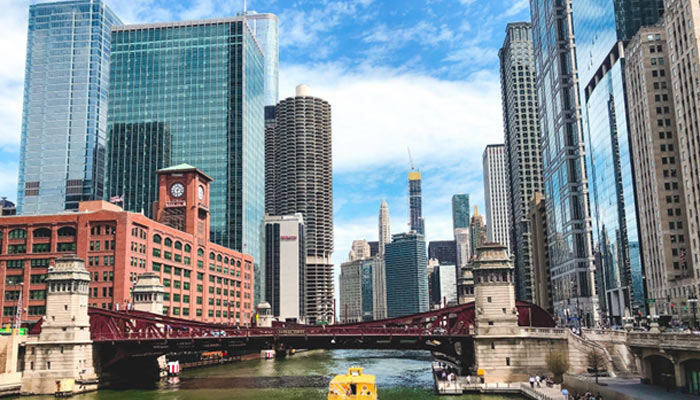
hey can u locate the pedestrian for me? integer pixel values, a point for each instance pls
(444, 375)
(537, 379)
(532, 382)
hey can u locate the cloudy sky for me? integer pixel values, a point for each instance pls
(398, 73)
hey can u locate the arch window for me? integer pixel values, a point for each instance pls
(218, 257)
(18, 234)
(42, 233)
(157, 238)
(200, 252)
(188, 248)
(178, 245)
(225, 260)
(168, 242)
(211, 256)
(66, 231)
(238, 263)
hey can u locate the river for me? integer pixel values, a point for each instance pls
(401, 375)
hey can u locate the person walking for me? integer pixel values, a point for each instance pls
(537, 380)
(532, 382)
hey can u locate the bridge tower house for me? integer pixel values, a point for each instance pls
(148, 293)
(61, 358)
(494, 291)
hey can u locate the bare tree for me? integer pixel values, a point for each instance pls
(596, 362)
(558, 364)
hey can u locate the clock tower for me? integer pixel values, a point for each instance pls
(183, 200)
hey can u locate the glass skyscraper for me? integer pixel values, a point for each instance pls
(407, 276)
(460, 211)
(64, 122)
(201, 85)
(563, 161)
(265, 27)
(602, 29)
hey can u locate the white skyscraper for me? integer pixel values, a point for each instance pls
(496, 194)
(384, 227)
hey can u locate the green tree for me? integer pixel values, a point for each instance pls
(596, 362)
(558, 364)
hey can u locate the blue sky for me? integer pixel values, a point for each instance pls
(398, 73)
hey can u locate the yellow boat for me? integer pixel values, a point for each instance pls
(353, 386)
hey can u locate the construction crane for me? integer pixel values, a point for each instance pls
(410, 159)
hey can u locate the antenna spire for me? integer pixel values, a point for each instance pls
(410, 159)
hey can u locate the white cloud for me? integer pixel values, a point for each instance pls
(515, 8)
(378, 112)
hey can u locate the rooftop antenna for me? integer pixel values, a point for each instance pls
(410, 159)
(245, 7)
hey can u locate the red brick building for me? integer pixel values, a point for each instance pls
(203, 281)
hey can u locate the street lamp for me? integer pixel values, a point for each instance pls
(693, 300)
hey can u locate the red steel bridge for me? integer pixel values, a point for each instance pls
(131, 335)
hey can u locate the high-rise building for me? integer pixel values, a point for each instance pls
(478, 231)
(460, 211)
(443, 286)
(265, 27)
(379, 287)
(415, 200)
(464, 246)
(522, 145)
(496, 194)
(384, 227)
(542, 282)
(682, 19)
(563, 161)
(445, 251)
(406, 275)
(64, 131)
(602, 29)
(202, 82)
(303, 169)
(285, 261)
(356, 290)
(360, 249)
(373, 248)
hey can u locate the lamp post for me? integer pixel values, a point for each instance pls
(693, 301)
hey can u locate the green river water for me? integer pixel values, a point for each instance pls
(401, 375)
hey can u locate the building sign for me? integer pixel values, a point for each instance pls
(288, 238)
(175, 203)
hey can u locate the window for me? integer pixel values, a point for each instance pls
(188, 248)
(167, 269)
(200, 252)
(16, 248)
(12, 295)
(65, 247)
(185, 311)
(156, 266)
(166, 282)
(39, 278)
(15, 263)
(200, 288)
(176, 297)
(42, 233)
(167, 255)
(186, 298)
(187, 261)
(168, 242)
(17, 234)
(178, 245)
(37, 310)
(41, 248)
(37, 294)
(14, 279)
(156, 252)
(211, 256)
(66, 231)
(157, 238)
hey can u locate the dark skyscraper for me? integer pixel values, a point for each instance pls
(406, 275)
(444, 251)
(415, 199)
(460, 211)
(299, 148)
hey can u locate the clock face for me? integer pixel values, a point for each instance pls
(200, 193)
(177, 190)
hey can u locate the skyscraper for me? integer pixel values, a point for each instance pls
(200, 83)
(303, 169)
(285, 261)
(496, 194)
(655, 143)
(64, 132)
(464, 246)
(601, 32)
(522, 144)
(460, 211)
(384, 227)
(265, 27)
(683, 19)
(478, 231)
(445, 251)
(406, 275)
(563, 161)
(415, 202)
(360, 249)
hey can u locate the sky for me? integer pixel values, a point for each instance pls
(399, 74)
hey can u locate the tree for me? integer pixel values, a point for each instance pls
(596, 362)
(558, 364)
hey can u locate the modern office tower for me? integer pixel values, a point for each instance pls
(415, 199)
(478, 231)
(460, 211)
(445, 251)
(496, 194)
(384, 227)
(360, 249)
(204, 81)
(304, 173)
(265, 27)
(542, 283)
(285, 260)
(464, 246)
(406, 275)
(602, 29)
(356, 290)
(373, 248)
(563, 162)
(682, 19)
(522, 145)
(64, 131)
(379, 287)
(443, 286)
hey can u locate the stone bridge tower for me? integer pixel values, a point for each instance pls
(61, 359)
(148, 293)
(494, 291)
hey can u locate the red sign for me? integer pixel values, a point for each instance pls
(288, 238)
